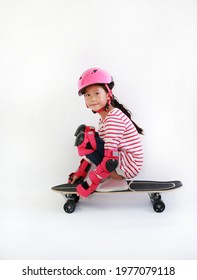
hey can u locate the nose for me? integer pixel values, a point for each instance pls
(92, 98)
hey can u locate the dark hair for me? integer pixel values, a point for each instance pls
(115, 103)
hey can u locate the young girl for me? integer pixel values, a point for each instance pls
(116, 148)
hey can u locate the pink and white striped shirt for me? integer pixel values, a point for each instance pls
(119, 133)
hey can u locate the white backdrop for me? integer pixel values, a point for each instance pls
(150, 49)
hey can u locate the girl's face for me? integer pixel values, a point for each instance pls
(95, 97)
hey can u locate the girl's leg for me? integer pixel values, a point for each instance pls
(94, 156)
(97, 156)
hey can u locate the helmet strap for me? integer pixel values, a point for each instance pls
(105, 108)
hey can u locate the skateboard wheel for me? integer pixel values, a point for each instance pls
(158, 206)
(69, 206)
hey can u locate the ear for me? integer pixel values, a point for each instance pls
(108, 96)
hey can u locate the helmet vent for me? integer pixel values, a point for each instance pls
(94, 71)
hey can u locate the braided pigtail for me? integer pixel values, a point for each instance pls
(115, 103)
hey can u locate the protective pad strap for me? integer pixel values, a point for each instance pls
(85, 190)
(82, 170)
(85, 141)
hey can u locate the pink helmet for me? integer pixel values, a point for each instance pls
(95, 76)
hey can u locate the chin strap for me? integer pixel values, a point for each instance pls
(102, 171)
(105, 108)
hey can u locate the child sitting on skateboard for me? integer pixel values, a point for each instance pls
(116, 149)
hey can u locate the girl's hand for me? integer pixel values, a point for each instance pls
(114, 175)
(74, 179)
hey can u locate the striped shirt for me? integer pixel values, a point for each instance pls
(119, 133)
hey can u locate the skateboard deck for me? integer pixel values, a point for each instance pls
(153, 188)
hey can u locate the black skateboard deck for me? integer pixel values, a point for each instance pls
(153, 188)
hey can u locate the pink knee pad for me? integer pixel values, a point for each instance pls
(85, 141)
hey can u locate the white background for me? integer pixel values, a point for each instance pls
(150, 49)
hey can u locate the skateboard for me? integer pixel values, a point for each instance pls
(153, 188)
